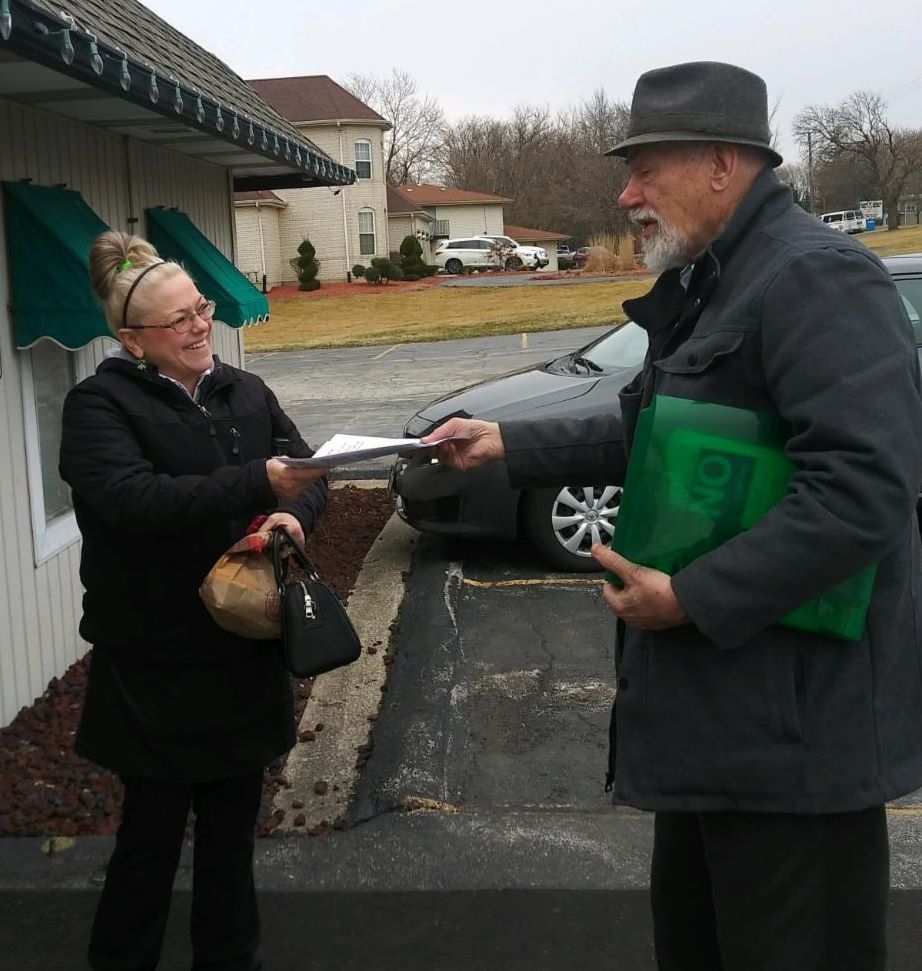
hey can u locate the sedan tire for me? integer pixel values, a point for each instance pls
(563, 524)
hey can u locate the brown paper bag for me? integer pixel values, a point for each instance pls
(240, 591)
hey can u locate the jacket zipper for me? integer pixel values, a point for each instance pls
(213, 433)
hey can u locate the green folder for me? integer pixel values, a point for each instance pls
(700, 474)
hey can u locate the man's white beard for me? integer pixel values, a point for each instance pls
(666, 248)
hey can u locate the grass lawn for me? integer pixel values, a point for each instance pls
(378, 315)
(382, 316)
(886, 242)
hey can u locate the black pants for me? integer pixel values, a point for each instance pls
(736, 891)
(132, 913)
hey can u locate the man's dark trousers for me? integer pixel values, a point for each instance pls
(743, 891)
(132, 914)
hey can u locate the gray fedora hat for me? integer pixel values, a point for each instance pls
(702, 101)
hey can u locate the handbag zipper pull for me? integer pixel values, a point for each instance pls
(309, 612)
(235, 448)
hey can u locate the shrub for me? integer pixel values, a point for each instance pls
(608, 252)
(358, 271)
(372, 275)
(388, 271)
(431, 269)
(308, 267)
(411, 258)
(565, 263)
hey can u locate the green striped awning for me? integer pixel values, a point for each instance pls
(176, 237)
(49, 234)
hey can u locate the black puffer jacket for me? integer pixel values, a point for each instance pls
(162, 486)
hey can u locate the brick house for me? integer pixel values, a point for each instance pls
(346, 226)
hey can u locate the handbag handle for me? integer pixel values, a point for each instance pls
(280, 536)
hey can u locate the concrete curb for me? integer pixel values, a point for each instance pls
(322, 772)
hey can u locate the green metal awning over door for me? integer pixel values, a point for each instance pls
(49, 234)
(176, 237)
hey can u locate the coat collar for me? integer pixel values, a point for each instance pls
(124, 364)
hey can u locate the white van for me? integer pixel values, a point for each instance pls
(846, 221)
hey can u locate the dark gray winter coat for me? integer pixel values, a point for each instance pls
(733, 711)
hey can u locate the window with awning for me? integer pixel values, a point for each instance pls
(176, 237)
(49, 233)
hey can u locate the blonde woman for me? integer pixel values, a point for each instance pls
(169, 453)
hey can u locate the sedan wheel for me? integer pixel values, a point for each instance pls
(454, 266)
(563, 524)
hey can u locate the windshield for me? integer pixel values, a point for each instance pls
(625, 347)
(911, 292)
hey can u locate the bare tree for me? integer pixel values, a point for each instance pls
(551, 167)
(857, 129)
(796, 177)
(413, 142)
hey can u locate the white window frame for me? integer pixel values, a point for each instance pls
(374, 230)
(371, 167)
(48, 539)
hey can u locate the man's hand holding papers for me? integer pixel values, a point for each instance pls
(465, 443)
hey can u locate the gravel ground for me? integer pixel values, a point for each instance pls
(47, 790)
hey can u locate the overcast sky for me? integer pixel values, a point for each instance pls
(479, 57)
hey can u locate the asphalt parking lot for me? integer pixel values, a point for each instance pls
(374, 390)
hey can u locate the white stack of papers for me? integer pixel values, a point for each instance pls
(358, 448)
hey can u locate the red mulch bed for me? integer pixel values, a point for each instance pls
(47, 790)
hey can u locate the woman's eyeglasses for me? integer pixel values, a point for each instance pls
(205, 310)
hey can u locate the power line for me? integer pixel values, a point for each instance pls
(902, 89)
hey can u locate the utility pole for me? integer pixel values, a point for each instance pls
(812, 188)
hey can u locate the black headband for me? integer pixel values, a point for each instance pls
(131, 289)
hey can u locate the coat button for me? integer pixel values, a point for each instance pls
(692, 359)
(622, 683)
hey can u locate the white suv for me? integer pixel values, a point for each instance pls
(477, 252)
(516, 255)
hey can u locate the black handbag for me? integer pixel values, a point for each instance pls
(317, 634)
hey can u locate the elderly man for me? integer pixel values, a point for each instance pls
(767, 753)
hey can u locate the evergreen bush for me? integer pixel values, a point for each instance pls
(308, 267)
(388, 271)
(358, 271)
(411, 259)
(372, 275)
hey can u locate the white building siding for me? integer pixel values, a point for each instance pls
(40, 605)
(258, 249)
(470, 220)
(403, 225)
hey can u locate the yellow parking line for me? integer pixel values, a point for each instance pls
(536, 582)
(904, 810)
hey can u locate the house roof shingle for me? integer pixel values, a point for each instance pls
(399, 202)
(139, 31)
(127, 51)
(533, 235)
(426, 194)
(313, 98)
